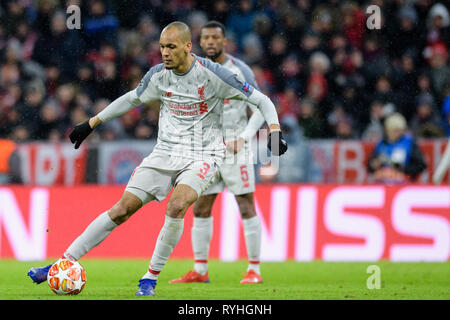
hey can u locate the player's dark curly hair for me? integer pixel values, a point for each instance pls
(214, 24)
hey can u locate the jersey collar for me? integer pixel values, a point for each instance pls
(190, 68)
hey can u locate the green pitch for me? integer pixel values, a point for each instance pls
(117, 279)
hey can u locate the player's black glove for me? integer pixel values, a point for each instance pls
(79, 133)
(278, 143)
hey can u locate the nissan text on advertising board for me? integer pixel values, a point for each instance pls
(299, 222)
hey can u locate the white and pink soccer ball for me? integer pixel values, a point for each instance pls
(66, 277)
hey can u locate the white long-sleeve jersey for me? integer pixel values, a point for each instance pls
(191, 112)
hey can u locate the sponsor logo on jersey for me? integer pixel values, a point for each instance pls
(203, 106)
(246, 87)
(201, 92)
(168, 94)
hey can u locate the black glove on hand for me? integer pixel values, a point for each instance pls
(79, 133)
(279, 144)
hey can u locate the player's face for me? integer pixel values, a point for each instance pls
(212, 41)
(394, 134)
(174, 51)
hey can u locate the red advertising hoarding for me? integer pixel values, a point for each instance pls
(49, 164)
(299, 222)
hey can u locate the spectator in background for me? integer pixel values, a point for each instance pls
(31, 108)
(354, 23)
(129, 121)
(77, 115)
(148, 30)
(341, 124)
(220, 11)
(426, 122)
(11, 118)
(20, 134)
(317, 88)
(288, 73)
(264, 77)
(293, 24)
(424, 83)
(345, 128)
(15, 13)
(404, 79)
(44, 9)
(133, 52)
(252, 49)
(352, 101)
(378, 112)
(440, 71)
(288, 102)
(375, 57)
(309, 120)
(276, 53)
(52, 79)
(326, 15)
(319, 63)
(26, 39)
(263, 28)
(66, 96)
(9, 97)
(383, 90)
(404, 37)
(49, 122)
(9, 74)
(108, 82)
(142, 131)
(438, 24)
(396, 158)
(310, 42)
(86, 80)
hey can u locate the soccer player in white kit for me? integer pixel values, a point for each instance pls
(189, 148)
(237, 172)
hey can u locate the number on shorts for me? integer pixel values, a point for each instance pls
(204, 170)
(244, 176)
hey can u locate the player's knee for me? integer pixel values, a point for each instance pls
(202, 211)
(176, 208)
(120, 212)
(247, 210)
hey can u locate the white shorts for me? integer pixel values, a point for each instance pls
(239, 179)
(152, 182)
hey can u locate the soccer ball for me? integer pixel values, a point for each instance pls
(66, 277)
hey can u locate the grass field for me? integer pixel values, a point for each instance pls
(117, 279)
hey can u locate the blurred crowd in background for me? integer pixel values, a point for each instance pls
(317, 60)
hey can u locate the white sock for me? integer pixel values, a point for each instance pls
(168, 238)
(252, 233)
(95, 233)
(201, 233)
